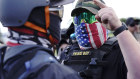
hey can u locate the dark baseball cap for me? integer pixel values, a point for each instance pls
(86, 5)
(130, 22)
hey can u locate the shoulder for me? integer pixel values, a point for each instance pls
(58, 71)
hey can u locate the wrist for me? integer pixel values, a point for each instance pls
(120, 29)
(119, 24)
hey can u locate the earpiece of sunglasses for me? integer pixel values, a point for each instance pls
(58, 10)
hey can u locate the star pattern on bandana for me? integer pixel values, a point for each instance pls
(82, 36)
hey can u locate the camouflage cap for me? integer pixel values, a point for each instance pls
(85, 5)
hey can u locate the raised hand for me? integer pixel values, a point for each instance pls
(107, 15)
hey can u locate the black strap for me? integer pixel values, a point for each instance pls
(120, 29)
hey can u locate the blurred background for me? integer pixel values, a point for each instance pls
(123, 8)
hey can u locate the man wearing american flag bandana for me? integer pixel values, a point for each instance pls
(95, 55)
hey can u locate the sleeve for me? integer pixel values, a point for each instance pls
(122, 66)
(123, 71)
(58, 71)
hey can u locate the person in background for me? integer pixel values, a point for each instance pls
(61, 46)
(128, 44)
(137, 32)
(65, 40)
(131, 23)
(133, 27)
(34, 28)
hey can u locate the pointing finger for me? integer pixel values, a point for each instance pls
(99, 3)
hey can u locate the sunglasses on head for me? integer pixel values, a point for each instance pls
(58, 10)
(84, 17)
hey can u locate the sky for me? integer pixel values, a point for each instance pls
(123, 8)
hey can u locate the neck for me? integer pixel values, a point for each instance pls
(16, 38)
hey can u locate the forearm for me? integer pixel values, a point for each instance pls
(130, 50)
(128, 44)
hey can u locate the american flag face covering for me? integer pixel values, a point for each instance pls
(90, 36)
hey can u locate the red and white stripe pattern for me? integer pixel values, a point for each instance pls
(97, 34)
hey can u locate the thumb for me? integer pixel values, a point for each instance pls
(98, 18)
